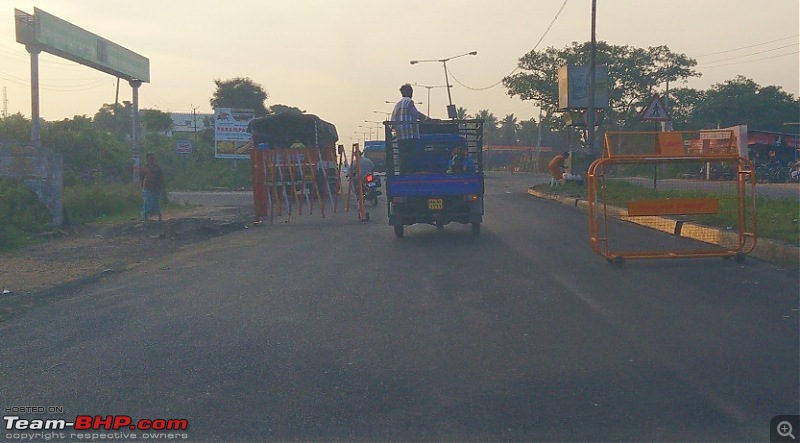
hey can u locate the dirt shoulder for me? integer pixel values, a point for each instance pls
(40, 273)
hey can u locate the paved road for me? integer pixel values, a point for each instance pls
(335, 330)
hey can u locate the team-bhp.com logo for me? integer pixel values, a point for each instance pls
(97, 422)
(109, 427)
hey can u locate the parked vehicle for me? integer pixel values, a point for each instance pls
(425, 192)
(773, 172)
(794, 173)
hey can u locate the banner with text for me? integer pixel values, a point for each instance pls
(231, 139)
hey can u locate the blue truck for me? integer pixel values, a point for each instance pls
(425, 190)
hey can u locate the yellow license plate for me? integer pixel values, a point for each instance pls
(435, 203)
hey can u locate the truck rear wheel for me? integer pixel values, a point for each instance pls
(398, 231)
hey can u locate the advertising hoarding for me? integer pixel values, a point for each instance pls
(231, 139)
(573, 87)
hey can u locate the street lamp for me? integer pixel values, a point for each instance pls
(377, 126)
(429, 93)
(368, 128)
(451, 109)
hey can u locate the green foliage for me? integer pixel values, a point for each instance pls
(740, 101)
(775, 217)
(15, 129)
(634, 74)
(239, 92)
(21, 214)
(87, 203)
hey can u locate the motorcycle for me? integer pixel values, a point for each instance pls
(370, 186)
(794, 173)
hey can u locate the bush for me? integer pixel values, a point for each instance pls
(21, 214)
(88, 203)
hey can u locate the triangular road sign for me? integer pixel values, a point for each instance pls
(655, 111)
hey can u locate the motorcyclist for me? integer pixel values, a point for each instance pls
(367, 167)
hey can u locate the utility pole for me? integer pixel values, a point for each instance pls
(592, 62)
(194, 120)
(5, 102)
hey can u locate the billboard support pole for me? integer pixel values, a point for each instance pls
(36, 135)
(135, 129)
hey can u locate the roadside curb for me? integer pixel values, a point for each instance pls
(782, 255)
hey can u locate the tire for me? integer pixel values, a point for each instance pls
(374, 201)
(399, 231)
(476, 229)
(439, 226)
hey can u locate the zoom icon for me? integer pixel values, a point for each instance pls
(783, 428)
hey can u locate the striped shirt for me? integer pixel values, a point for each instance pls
(405, 116)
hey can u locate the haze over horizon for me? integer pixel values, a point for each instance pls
(343, 59)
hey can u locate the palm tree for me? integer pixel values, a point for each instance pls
(508, 130)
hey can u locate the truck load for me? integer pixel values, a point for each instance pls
(293, 159)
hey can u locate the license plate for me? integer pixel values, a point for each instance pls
(435, 203)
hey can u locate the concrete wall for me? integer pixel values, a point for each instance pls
(41, 171)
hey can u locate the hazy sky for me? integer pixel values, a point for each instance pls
(342, 59)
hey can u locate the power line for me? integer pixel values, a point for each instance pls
(749, 61)
(750, 46)
(755, 53)
(517, 67)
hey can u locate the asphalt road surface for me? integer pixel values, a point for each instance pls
(333, 329)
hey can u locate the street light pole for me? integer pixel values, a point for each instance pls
(429, 93)
(451, 109)
(377, 128)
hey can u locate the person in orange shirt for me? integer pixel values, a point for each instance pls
(557, 168)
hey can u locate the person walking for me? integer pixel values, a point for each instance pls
(152, 181)
(405, 116)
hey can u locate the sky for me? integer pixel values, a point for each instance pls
(343, 59)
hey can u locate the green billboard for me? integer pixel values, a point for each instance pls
(62, 38)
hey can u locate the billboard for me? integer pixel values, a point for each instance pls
(231, 139)
(59, 37)
(573, 87)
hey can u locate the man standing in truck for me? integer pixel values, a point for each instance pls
(405, 115)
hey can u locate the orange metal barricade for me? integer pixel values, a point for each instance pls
(661, 181)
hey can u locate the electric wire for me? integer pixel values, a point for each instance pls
(749, 46)
(749, 61)
(546, 31)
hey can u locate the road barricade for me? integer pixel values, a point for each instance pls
(660, 181)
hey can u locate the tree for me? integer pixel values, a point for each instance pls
(115, 119)
(240, 92)
(154, 120)
(634, 75)
(508, 131)
(461, 113)
(489, 126)
(528, 132)
(15, 129)
(740, 101)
